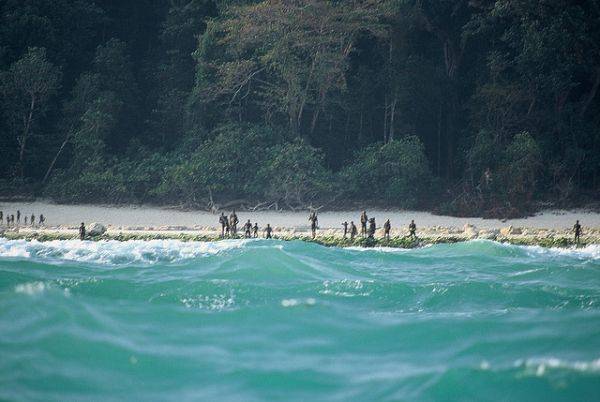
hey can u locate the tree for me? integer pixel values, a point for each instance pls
(27, 89)
(293, 175)
(286, 56)
(397, 172)
(521, 167)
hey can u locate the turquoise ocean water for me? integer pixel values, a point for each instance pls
(293, 321)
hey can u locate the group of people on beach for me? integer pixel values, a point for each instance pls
(368, 228)
(14, 220)
(229, 227)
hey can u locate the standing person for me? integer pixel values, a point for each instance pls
(32, 220)
(247, 229)
(18, 216)
(25, 220)
(313, 223)
(386, 229)
(363, 223)
(233, 221)
(1, 217)
(223, 222)
(353, 230)
(82, 231)
(372, 228)
(412, 229)
(42, 219)
(577, 230)
(268, 231)
(345, 225)
(12, 220)
(255, 230)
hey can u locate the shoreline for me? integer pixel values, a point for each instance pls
(548, 228)
(329, 238)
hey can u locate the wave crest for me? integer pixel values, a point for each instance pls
(113, 252)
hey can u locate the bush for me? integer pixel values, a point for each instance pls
(397, 172)
(499, 183)
(122, 181)
(222, 167)
(293, 174)
(521, 166)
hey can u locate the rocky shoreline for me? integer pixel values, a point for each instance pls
(327, 237)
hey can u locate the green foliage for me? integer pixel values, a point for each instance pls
(521, 166)
(482, 156)
(223, 166)
(122, 181)
(201, 102)
(397, 172)
(27, 88)
(293, 174)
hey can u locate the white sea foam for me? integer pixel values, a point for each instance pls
(540, 365)
(379, 249)
(114, 252)
(345, 288)
(526, 272)
(591, 251)
(217, 302)
(31, 288)
(298, 302)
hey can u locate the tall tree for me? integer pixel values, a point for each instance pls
(27, 88)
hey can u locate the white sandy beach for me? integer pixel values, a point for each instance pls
(153, 218)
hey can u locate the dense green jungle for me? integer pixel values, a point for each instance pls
(485, 108)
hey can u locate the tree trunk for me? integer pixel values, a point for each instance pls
(305, 94)
(360, 127)
(449, 138)
(590, 96)
(23, 141)
(317, 111)
(452, 58)
(292, 116)
(346, 128)
(315, 118)
(385, 121)
(392, 115)
(62, 146)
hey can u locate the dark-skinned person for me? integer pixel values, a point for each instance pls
(247, 229)
(313, 224)
(268, 231)
(345, 225)
(353, 230)
(372, 228)
(577, 230)
(363, 223)
(82, 231)
(233, 221)
(223, 222)
(412, 230)
(386, 229)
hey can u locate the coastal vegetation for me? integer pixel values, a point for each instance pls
(465, 107)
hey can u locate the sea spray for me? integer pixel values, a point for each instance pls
(290, 320)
